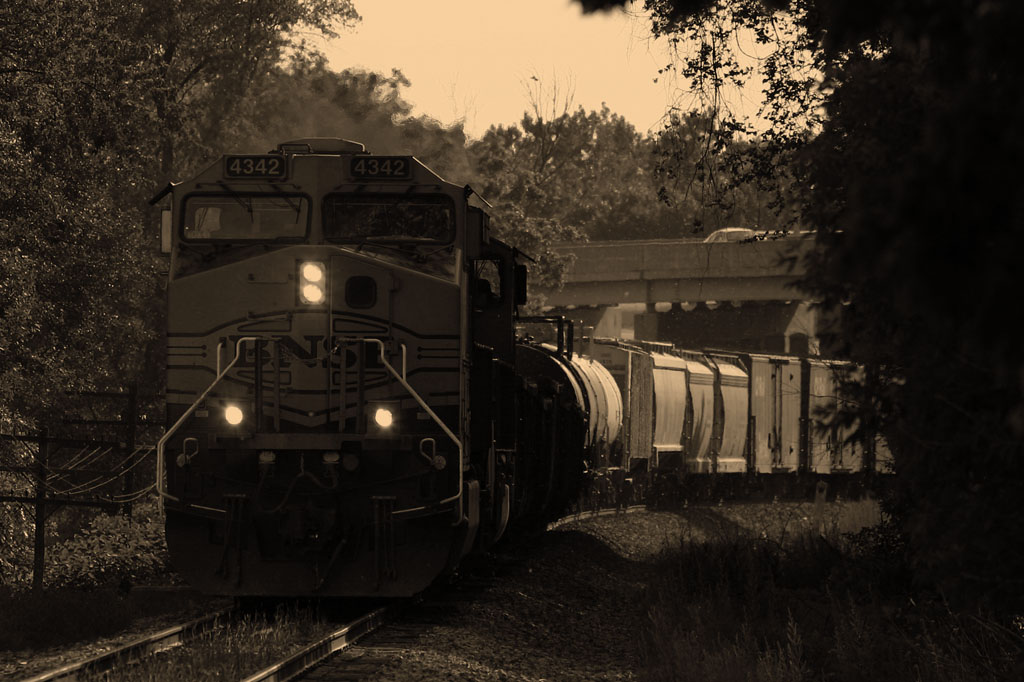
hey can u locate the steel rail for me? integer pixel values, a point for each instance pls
(605, 511)
(138, 649)
(301, 661)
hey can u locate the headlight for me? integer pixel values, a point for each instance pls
(311, 293)
(312, 279)
(384, 417)
(312, 272)
(233, 415)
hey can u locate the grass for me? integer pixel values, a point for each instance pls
(233, 651)
(781, 603)
(58, 617)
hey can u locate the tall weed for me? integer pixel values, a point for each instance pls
(786, 604)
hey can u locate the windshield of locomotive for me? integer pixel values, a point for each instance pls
(245, 217)
(394, 218)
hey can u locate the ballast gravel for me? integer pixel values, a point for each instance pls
(571, 605)
(568, 606)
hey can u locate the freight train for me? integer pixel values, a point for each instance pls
(350, 411)
(684, 423)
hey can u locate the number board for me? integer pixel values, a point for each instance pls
(255, 166)
(382, 167)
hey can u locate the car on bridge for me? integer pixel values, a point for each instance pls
(731, 234)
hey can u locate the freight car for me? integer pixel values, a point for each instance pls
(344, 412)
(722, 422)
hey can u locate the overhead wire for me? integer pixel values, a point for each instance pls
(31, 478)
(80, 460)
(121, 471)
(50, 473)
(74, 487)
(136, 495)
(103, 479)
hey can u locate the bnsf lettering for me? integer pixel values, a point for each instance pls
(317, 347)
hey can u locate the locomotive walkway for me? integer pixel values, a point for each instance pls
(611, 273)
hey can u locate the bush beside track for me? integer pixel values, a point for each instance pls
(111, 550)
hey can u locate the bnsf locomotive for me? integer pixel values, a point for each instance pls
(350, 412)
(344, 414)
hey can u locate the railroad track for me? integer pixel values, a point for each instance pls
(361, 648)
(299, 662)
(589, 514)
(288, 668)
(138, 649)
(352, 652)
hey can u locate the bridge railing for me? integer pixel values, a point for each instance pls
(608, 273)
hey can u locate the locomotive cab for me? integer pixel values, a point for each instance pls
(324, 331)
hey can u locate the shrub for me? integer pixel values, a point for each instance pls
(742, 608)
(112, 549)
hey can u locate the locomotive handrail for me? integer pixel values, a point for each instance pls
(162, 443)
(433, 415)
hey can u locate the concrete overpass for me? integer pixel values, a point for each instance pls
(674, 271)
(727, 295)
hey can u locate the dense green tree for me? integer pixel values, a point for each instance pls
(594, 172)
(717, 181)
(205, 56)
(898, 121)
(74, 275)
(589, 171)
(100, 102)
(305, 98)
(95, 97)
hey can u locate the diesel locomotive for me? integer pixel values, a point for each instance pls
(350, 410)
(344, 413)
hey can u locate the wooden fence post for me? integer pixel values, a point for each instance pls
(39, 550)
(130, 416)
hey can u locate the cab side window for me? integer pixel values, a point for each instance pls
(487, 284)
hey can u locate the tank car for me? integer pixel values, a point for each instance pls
(594, 470)
(344, 413)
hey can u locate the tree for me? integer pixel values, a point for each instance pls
(95, 98)
(714, 180)
(898, 120)
(98, 102)
(204, 58)
(305, 98)
(75, 274)
(561, 174)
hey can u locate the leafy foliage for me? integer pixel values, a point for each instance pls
(563, 176)
(109, 551)
(101, 102)
(734, 608)
(897, 121)
(75, 273)
(305, 98)
(206, 57)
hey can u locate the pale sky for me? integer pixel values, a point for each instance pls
(476, 59)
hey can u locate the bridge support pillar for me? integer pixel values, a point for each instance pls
(764, 326)
(594, 321)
